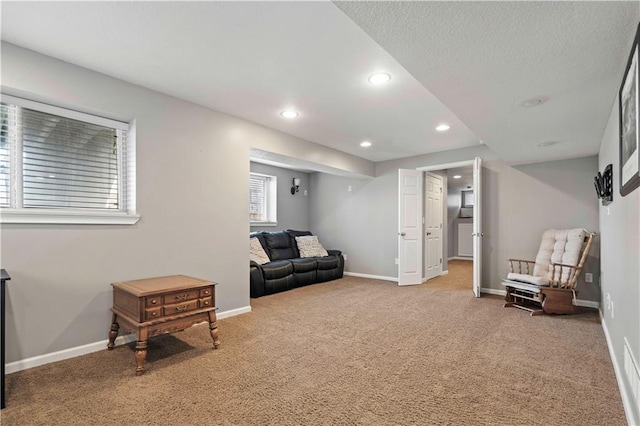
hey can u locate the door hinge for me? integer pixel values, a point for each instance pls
(440, 226)
(440, 260)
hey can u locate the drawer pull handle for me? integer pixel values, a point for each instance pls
(206, 303)
(181, 308)
(206, 292)
(154, 301)
(183, 297)
(154, 314)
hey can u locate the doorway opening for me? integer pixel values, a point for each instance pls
(415, 229)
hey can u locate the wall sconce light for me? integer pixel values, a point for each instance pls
(296, 186)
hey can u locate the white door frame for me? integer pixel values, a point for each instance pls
(477, 225)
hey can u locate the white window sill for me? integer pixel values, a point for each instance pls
(66, 217)
(264, 223)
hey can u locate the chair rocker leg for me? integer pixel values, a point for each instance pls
(558, 301)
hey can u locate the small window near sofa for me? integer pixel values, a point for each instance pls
(262, 199)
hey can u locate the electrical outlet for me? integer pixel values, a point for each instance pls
(349, 188)
(397, 261)
(588, 277)
(608, 301)
(305, 192)
(344, 256)
(611, 310)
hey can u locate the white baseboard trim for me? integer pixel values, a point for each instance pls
(373, 277)
(627, 401)
(445, 272)
(587, 304)
(495, 291)
(460, 258)
(39, 360)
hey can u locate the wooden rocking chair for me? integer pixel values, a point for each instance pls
(547, 285)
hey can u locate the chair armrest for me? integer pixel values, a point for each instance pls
(557, 270)
(516, 265)
(334, 252)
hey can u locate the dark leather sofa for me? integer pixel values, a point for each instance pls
(287, 269)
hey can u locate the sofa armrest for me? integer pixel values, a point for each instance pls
(334, 252)
(256, 280)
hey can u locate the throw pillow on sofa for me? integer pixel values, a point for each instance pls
(309, 246)
(258, 254)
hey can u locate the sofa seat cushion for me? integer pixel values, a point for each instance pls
(277, 269)
(328, 262)
(303, 265)
(529, 279)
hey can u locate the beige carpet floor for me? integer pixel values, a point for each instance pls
(353, 351)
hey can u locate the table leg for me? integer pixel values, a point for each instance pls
(113, 332)
(141, 355)
(213, 329)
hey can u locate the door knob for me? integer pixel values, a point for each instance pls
(402, 234)
(428, 233)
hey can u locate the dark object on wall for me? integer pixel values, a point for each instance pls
(604, 185)
(4, 277)
(628, 109)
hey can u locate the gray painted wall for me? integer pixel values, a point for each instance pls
(517, 205)
(192, 186)
(453, 210)
(293, 210)
(620, 227)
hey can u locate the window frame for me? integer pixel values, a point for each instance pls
(271, 199)
(125, 215)
(464, 202)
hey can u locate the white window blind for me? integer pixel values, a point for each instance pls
(70, 162)
(262, 198)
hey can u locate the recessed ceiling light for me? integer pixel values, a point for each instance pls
(534, 101)
(365, 144)
(289, 113)
(457, 177)
(379, 78)
(443, 127)
(547, 143)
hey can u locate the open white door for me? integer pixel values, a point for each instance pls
(433, 225)
(410, 227)
(477, 226)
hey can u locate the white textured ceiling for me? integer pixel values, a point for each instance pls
(253, 59)
(482, 59)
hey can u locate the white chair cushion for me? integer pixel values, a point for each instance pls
(558, 246)
(529, 279)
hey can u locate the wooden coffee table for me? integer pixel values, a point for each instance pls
(161, 305)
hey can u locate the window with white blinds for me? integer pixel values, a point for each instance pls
(262, 198)
(55, 161)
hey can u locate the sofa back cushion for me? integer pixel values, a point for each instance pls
(278, 245)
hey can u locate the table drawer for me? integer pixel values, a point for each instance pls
(152, 313)
(206, 292)
(178, 308)
(153, 301)
(180, 296)
(206, 302)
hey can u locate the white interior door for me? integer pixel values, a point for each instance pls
(477, 226)
(433, 225)
(409, 227)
